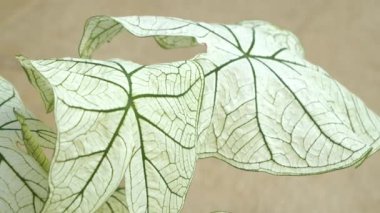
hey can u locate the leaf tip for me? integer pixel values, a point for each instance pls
(21, 58)
(24, 62)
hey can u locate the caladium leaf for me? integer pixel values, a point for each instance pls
(252, 100)
(264, 107)
(114, 114)
(23, 182)
(115, 204)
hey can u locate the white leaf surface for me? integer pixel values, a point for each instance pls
(106, 123)
(23, 183)
(264, 107)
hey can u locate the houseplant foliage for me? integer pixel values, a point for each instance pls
(251, 100)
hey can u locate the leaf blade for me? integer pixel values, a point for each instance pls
(23, 183)
(83, 174)
(163, 115)
(134, 116)
(247, 48)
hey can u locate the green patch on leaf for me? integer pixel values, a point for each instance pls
(33, 147)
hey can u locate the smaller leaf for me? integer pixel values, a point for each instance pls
(23, 183)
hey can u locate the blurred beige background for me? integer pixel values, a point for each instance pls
(342, 36)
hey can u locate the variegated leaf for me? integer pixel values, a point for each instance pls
(23, 182)
(116, 117)
(251, 100)
(264, 108)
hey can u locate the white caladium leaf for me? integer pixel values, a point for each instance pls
(264, 107)
(23, 182)
(252, 100)
(115, 204)
(111, 115)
